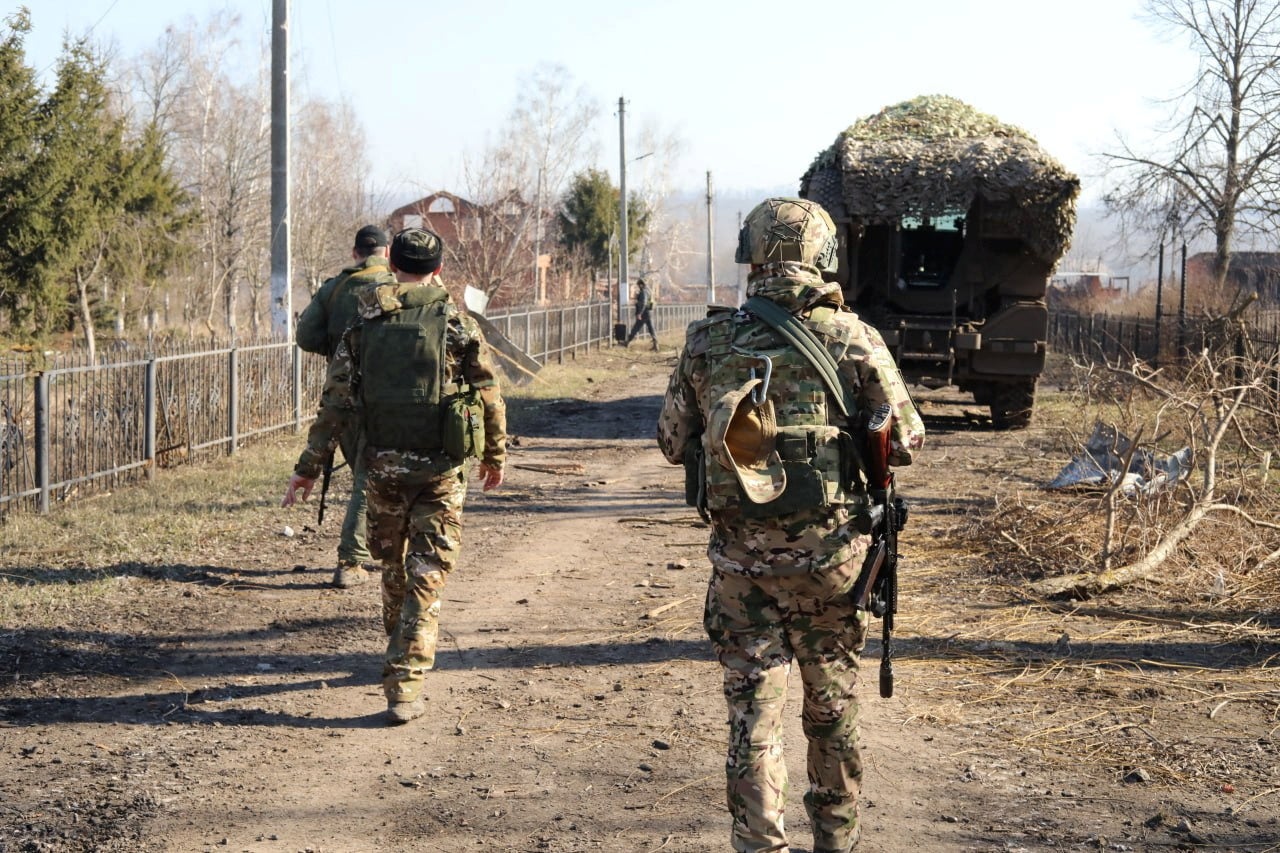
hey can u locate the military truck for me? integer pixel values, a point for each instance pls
(951, 224)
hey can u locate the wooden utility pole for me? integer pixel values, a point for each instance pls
(711, 258)
(281, 271)
(742, 295)
(622, 212)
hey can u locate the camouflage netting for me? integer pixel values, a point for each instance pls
(936, 154)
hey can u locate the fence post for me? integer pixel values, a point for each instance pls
(528, 332)
(560, 336)
(546, 335)
(149, 418)
(42, 441)
(297, 389)
(233, 403)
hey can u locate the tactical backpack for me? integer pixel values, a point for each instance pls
(819, 457)
(407, 400)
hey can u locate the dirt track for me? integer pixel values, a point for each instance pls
(227, 699)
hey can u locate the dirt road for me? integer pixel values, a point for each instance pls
(225, 698)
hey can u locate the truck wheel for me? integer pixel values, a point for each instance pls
(1011, 404)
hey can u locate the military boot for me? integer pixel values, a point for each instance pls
(348, 575)
(399, 713)
(824, 844)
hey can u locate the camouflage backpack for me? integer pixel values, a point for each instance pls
(772, 447)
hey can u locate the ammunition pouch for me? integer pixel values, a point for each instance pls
(462, 430)
(805, 490)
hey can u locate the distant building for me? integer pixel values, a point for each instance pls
(481, 236)
(1086, 290)
(451, 216)
(1249, 272)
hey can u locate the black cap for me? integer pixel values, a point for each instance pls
(369, 238)
(417, 251)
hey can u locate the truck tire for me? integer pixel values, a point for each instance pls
(1011, 404)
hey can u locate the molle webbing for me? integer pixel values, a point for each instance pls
(403, 372)
(816, 454)
(799, 336)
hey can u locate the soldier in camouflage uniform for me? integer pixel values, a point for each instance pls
(320, 329)
(416, 373)
(781, 484)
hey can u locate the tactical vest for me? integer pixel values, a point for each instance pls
(818, 457)
(402, 372)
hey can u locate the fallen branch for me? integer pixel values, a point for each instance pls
(642, 519)
(564, 468)
(1086, 584)
(658, 611)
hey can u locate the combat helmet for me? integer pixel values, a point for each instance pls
(788, 229)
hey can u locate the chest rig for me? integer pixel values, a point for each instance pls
(814, 449)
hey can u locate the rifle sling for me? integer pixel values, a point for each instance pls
(799, 336)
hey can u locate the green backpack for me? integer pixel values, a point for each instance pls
(407, 401)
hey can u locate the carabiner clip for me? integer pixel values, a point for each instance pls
(760, 393)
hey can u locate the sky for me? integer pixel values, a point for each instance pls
(753, 89)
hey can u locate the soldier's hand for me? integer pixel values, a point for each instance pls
(297, 482)
(490, 476)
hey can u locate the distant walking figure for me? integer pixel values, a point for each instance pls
(644, 307)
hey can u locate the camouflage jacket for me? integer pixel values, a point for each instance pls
(467, 356)
(809, 540)
(333, 308)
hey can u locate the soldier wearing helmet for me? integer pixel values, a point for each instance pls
(769, 458)
(415, 373)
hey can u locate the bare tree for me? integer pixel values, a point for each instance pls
(216, 131)
(544, 140)
(668, 235)
(330, 169)
(1219, 170)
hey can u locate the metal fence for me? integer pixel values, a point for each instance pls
(1098, 337)
(547, 334)
(70, 428)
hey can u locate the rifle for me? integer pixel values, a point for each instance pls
(329, 468)
(876, 589)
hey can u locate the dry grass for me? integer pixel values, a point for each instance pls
(183, 512)
(1174, 675)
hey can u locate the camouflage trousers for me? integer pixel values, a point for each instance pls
(353, 541)
(758, 626)
(415, 532)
